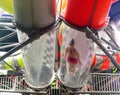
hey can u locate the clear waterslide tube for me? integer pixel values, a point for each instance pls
(32, 16)
(39, 59)
(77, 54)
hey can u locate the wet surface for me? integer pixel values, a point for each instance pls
(74, 70)
(39, 61)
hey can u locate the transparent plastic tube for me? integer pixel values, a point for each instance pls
(39, 57)
(77, 53)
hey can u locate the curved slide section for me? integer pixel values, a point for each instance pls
(77, 54)
(39, 60)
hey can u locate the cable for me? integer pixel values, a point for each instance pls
(33, 36)
(8, 36)
(113, 46)
(91, 35)
(106, 31)
(8, 46)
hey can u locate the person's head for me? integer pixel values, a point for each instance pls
(72, 42)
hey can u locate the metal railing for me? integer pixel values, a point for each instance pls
(100, 84)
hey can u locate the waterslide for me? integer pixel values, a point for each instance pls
(39, 54)
(85, 49)
(39, 60)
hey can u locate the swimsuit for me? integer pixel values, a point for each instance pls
(72, 60)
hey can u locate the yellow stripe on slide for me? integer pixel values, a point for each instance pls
(6, 5)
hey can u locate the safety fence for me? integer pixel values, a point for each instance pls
(99, 84)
